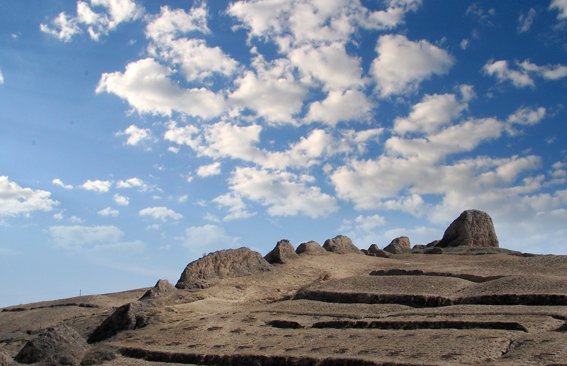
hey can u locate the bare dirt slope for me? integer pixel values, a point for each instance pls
(348, 309)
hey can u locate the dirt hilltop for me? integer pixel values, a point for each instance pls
(466, 305)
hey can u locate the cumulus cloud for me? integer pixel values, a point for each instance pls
(59, 183)
(561, 6)
(121, 200)
(207, 238)
(108, 212)
(160, 213)
(132, 182)
(15, 200)
(527, 116)
(432, 113)
(284, 193)
(402, 64)
(272, 91)
(148, 89)
(136, 135)
(114, 12)
(340, 106)
(97, 185)
(209, 170)
(1, 78)
(235, 206)
(524, 73)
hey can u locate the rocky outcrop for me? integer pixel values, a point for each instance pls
(127, 317)
(399, 245)
(311, 248)
(60, 345)
(162, 288)
(224, 263)
(472, 228)
(281, 253)
(374, 251)
(341, 244)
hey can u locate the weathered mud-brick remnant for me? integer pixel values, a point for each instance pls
(399, 245)
(224, 263)
(341, 244)
(60, 345)
(281, 253)
(311, 248)
(473, 228)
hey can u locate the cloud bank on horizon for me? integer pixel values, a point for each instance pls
(240, 118)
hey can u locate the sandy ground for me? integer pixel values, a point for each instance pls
(512, 318)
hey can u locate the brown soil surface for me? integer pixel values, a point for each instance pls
(416, 309)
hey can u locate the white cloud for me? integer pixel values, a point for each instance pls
(108, 212)
(525, 21)
(136, 135)
(1, 78)
(340, 106)
(97, 185)
(432, 113)
(331, 65)
(272, 91)
(97, 24)
(59, 183)
(401, 64)
(76, 220)
(196, 60)
(65, 27)
(209, 170)
(148, 89)
(284, 193)
(527, 116)
(560, 5)
(161, 213)
(526, 71)
(170, 23)
(121, 200)
(75, 236)
(15, 200)
(182, 135)
(58, 216)
(235, 206)
(132, 182)
(207, 238)
(464, 44)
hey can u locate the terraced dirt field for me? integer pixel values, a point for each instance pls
(459, 308)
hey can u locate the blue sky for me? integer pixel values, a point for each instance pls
(138, 135)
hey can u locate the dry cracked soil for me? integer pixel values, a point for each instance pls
(409, 309)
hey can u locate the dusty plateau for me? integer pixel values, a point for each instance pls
(442, 304)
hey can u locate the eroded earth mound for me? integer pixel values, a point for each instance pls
(472, 228)
(222, 264)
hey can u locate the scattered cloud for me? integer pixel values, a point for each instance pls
(209, 170)
(235, 206)
(525, 21)
(58, 216)
(161, 213)
(108, 212)
(97, 185)
(1, 78)
(59, 183)
(402, 64)
(76, 220)
(136, 135)
(132, 182)
(121, 200)
(70, 237)
(114, 12)
(16, 201)
(561, 6)
(524, 73)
